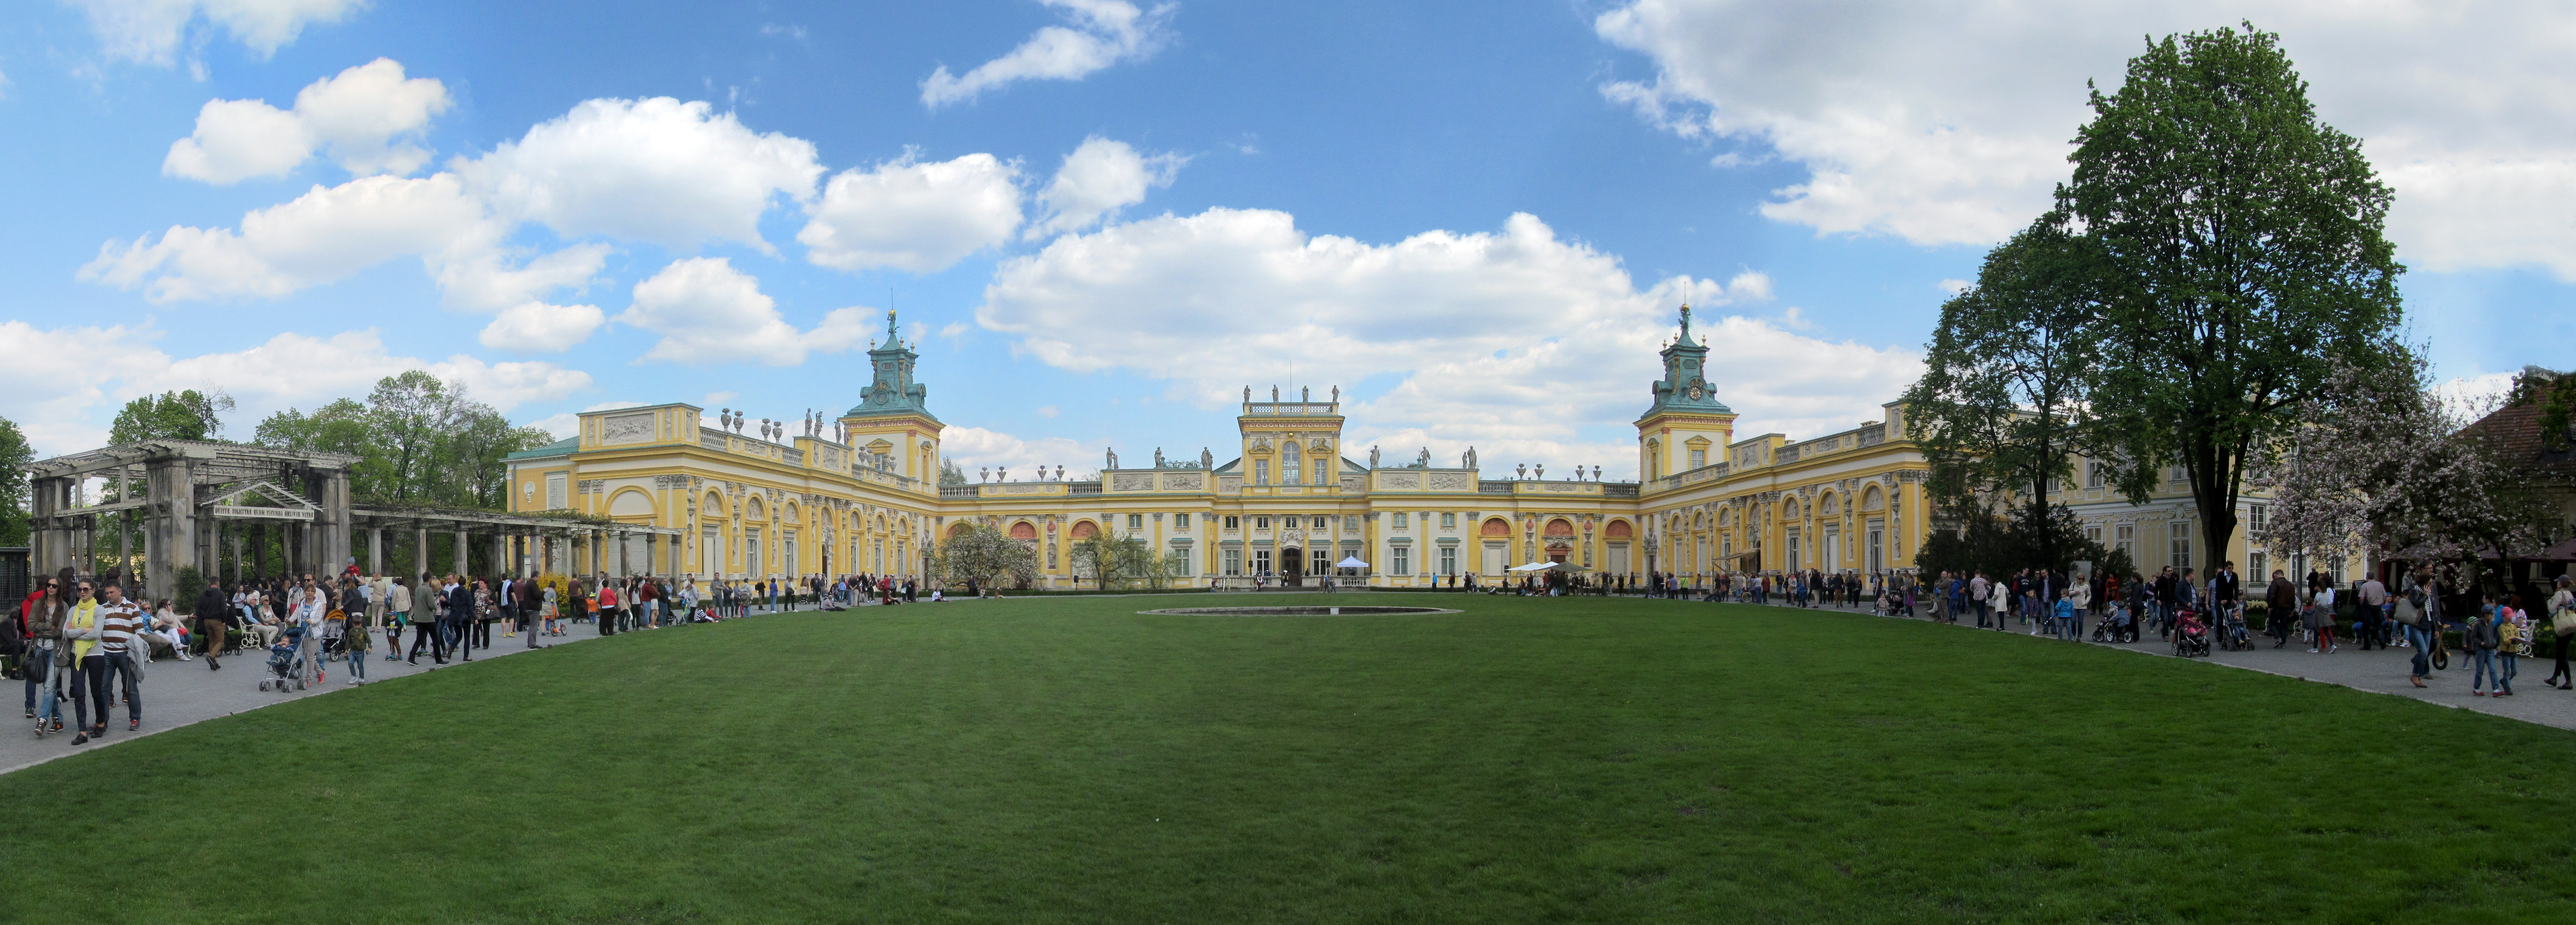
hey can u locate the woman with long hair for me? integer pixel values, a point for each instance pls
(44, 641)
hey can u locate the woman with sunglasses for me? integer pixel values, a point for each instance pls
(44, 638)
(82, 631)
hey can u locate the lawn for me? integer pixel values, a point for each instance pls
(1528, 760)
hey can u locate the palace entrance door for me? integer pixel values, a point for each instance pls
(1292, 567)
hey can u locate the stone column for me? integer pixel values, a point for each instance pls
(464, 558)
(172, 525)
(375, 549)
(623, 569)
(652, 550)
(502, 561)
(333, 530)
(419, 547)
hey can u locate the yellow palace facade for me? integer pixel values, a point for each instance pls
(861, 494)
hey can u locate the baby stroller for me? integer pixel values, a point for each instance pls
(285, 662)
(2232, 634)
(2191, 638)
(2113, 627)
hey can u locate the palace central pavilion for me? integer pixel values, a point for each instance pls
(1290, 503)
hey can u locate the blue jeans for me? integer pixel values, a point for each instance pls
(2485, 659)
(2508, 665)
(2421, 640)
(357, 664)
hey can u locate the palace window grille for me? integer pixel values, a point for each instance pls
(2180, 533)
(1234, 563)
(1180, 521)
(1261, 523)
(1350, 523)
(1261, 472)
(1135, 521)
(1288, 464)
(1402, 560)
(2126, 540)
(1448, 560)
(1233, 522)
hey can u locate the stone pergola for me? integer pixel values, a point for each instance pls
(193, 489)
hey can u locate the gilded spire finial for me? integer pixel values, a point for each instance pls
(890, 327)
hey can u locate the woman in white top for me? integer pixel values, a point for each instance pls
(165, 624)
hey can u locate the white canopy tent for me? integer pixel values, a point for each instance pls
(1534, 567)
(1350, 562)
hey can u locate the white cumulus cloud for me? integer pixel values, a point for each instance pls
(1513, 335)
(1098, 179)
(1100, 33)
(539, 327)
(918, 217)
(709, 312)
(976, 448)
(324, 235)
(1949, 122)
(72, 379)
(360, 114)
(660, 170)
(151, 30)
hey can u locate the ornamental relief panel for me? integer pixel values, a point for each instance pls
(626, 428)
(1229, 484)
(1452, 481)
(1399, 480)
(1138, 481)
(1351, 483)
(1188, 481)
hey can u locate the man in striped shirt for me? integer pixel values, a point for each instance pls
(118, 621)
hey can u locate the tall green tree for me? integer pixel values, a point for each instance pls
(2005, 401)
(418, 441)
(2242, 240)
(16, 515)
(183, 415)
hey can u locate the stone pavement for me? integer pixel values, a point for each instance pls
(2377, 671)
(177, 693)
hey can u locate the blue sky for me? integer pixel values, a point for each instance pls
(1106, 218)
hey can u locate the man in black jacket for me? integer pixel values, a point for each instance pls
(214, 623)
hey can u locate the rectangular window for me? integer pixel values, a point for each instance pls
(2093, 476)
(1350, 523)
(2181, 536)
(1135, 521)
(2257, 516)
(1400, 561)
(1449, 521)
(1261, 562)
(2179, 474)
(1261, 472)
(2093, 535)
(1233, 522)
(1698, 458)
(1400, 523)
(1319, 562)
(1322, 523)
(2127, 541)
(555, 500)
(1180, 521)
(1448, 560)
(1234, 563)
(1261, 523)
(2254, 567)
(1322, 476)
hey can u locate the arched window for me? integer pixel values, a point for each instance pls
(1288, 464)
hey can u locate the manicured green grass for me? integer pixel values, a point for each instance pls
(1529, 760)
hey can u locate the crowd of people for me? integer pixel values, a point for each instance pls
(2181, 606)
(83, 640)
